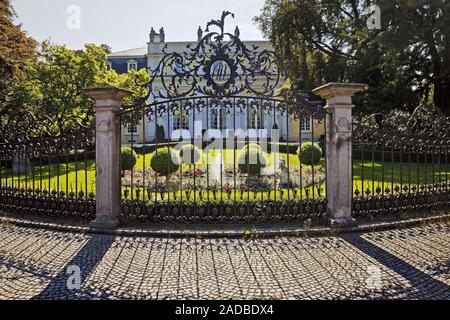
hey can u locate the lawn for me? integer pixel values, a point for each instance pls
(80, 176)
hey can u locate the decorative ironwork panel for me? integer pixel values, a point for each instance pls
(220, 64)
(401, 162)
(47, 167)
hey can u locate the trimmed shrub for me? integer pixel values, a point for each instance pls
(165, 161)
(251, 161)
(190, 154)
(309, 153)
(129, 158)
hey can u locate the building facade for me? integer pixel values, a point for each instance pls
(218, 123)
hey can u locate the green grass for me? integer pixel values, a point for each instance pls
(370, 176)
(366, 176)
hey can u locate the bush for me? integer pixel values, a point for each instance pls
(309, 153)
(251, 161)
(129, 158)
(190, 154)
(165, 161)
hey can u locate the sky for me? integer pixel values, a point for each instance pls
(125, 24)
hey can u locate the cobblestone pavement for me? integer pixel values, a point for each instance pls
(410, 263)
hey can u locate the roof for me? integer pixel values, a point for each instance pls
(141, 52)
(130, 53)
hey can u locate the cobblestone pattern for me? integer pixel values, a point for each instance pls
(410, 263)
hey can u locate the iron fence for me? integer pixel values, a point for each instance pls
(401, 163)
(46, 169)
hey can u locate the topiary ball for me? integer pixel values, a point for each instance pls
(165, 161)
(251, 161)
(309, 153)
(190, 154)
(129, 158)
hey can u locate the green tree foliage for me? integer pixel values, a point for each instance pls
(53, 84)
(132, 80)
(17, 50)
(61, 74)
(404, 62)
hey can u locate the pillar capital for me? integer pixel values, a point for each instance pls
(107, 97)
(335, 89)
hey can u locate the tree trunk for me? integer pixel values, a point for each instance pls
(442, 95)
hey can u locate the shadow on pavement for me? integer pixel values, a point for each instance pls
(87, 258)
(423, 285)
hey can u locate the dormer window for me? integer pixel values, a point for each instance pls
(109, 66)
(132, 65)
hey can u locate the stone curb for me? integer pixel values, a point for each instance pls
(235, 232)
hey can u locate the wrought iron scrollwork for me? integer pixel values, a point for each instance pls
(424, 127)
(219, 65)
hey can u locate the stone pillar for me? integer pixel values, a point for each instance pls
(339, 150)
(108, 101)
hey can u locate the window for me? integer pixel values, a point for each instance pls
(109, 65)
(132, 65)
(306, 124)
(218, 119)
(256, 119)
(131, 129)
(180, 120)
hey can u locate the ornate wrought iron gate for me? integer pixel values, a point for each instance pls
(218, 103)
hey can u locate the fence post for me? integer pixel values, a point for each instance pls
(108, 101)
(339, 150)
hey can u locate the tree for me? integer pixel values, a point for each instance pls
(406, 61)
(17, 51)
(53, 84)
(132, 80)
(61, 74)
(16, 48)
